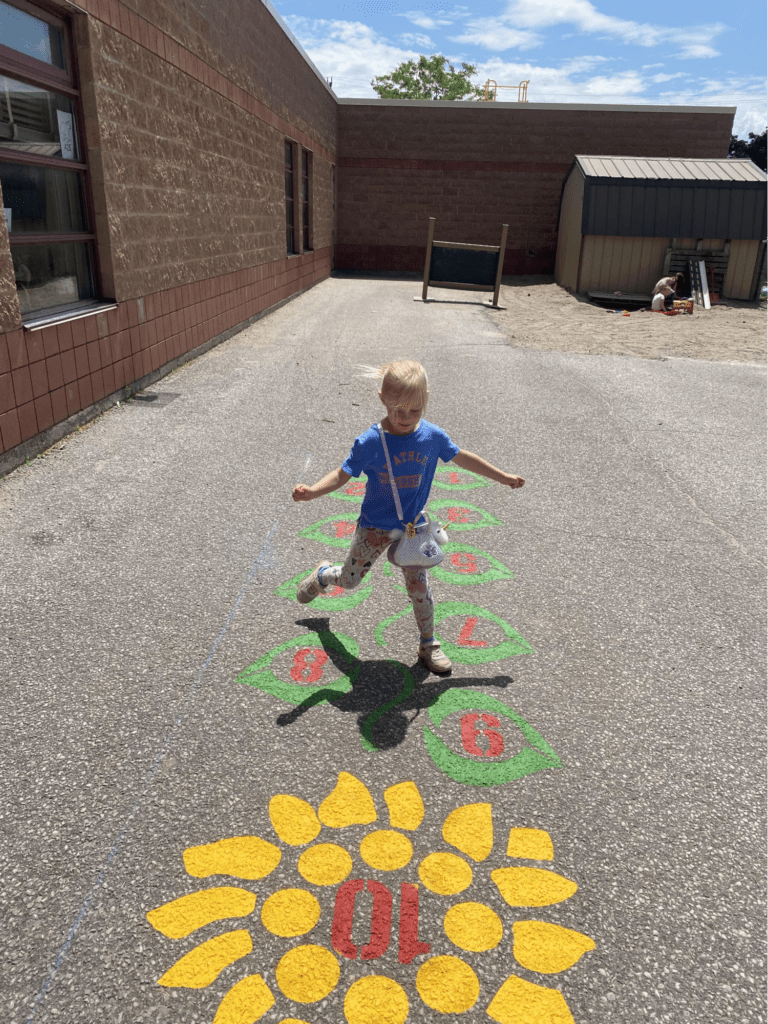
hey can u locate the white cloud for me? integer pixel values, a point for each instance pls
(423, 20)
(493, 35)
(658, 79)
(520, 24)
(417, 39)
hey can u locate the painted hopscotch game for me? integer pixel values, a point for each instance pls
(355, 924)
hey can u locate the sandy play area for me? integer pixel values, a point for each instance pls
(540, 314)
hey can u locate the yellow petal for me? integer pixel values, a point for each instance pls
(376, 1000)
(447, 984)
(307, 974)
(548, 948)
(445, 873)
(293, 819)
(530, 843)
(290, 912)
(241, 857)
(532, 887)
(406, 808)
(292, 1020)
(470, 829)
(522, 1002)
(246, 1002)
(350, 803)
(386, 850)
(473, 926)
(325, 864)
(188, 913)
(206, 962)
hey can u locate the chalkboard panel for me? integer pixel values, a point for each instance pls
(463, 266)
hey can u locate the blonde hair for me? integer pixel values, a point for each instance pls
(399, 380)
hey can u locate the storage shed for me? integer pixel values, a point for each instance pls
(625, 221)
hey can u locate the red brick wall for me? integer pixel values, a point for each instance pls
(474, 166)
(186, 111)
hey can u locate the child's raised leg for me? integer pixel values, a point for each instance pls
(367, 545)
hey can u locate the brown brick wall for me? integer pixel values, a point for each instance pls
(473, 167)
(48, 375)
(186, 111)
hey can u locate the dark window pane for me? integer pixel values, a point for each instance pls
(304, 162)
(33, 36)
(289, 156)
(52, 275)
(288, 185)
(34, 120)
(42, 199)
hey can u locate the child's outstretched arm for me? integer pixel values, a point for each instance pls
(336, 478)
(473, 463)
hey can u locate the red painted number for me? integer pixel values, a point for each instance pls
(344, 529)
(465, 636)
(308, 658)
(470, 731)
(357, 488)
(454, 478)
(458, 515)
(381, 921)
(463, 562)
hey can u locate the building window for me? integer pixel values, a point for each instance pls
(306, 199)
(290, 223)
(42, 170)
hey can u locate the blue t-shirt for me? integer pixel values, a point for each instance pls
(414, 461)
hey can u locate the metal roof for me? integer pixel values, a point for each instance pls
(665, 169)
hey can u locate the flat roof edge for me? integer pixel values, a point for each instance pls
(647, 107)
(276, 15)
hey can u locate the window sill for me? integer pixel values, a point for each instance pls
(37, 321)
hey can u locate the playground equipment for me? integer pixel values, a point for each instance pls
(491, 89)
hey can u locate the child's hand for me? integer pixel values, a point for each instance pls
(513, 481)
(302, 493)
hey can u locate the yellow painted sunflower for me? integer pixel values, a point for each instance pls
(308, 972)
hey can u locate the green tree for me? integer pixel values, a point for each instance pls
(428, 79)
(753, 150)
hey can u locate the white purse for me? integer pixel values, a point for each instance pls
(419, 543)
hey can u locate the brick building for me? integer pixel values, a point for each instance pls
(170, 172)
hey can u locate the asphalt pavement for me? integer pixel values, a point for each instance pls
(570, 826)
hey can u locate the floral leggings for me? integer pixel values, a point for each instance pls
(367, 545)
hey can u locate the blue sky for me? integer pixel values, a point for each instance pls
(573, 51)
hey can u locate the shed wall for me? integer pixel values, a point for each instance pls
(741, 269)
(727, 209)
(569, 231)
(618, 263)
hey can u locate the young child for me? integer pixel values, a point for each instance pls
(414, 448)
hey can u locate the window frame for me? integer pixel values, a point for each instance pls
(31, 71)
(290, 224)
(306, 206)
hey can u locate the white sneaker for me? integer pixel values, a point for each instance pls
(434, 659)
(311, 586)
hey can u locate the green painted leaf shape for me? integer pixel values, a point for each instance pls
(316, 532)
(469, 481)
(261, 677)
(535, 758)
(337, 604)
(497, 571)
(513, 645)
(486, 519)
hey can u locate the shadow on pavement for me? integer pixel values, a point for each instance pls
(385, 686)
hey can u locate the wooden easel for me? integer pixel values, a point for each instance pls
(471, 265)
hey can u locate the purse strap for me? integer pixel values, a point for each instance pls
(395, 495)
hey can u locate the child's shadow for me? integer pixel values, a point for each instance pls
(377, 684)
